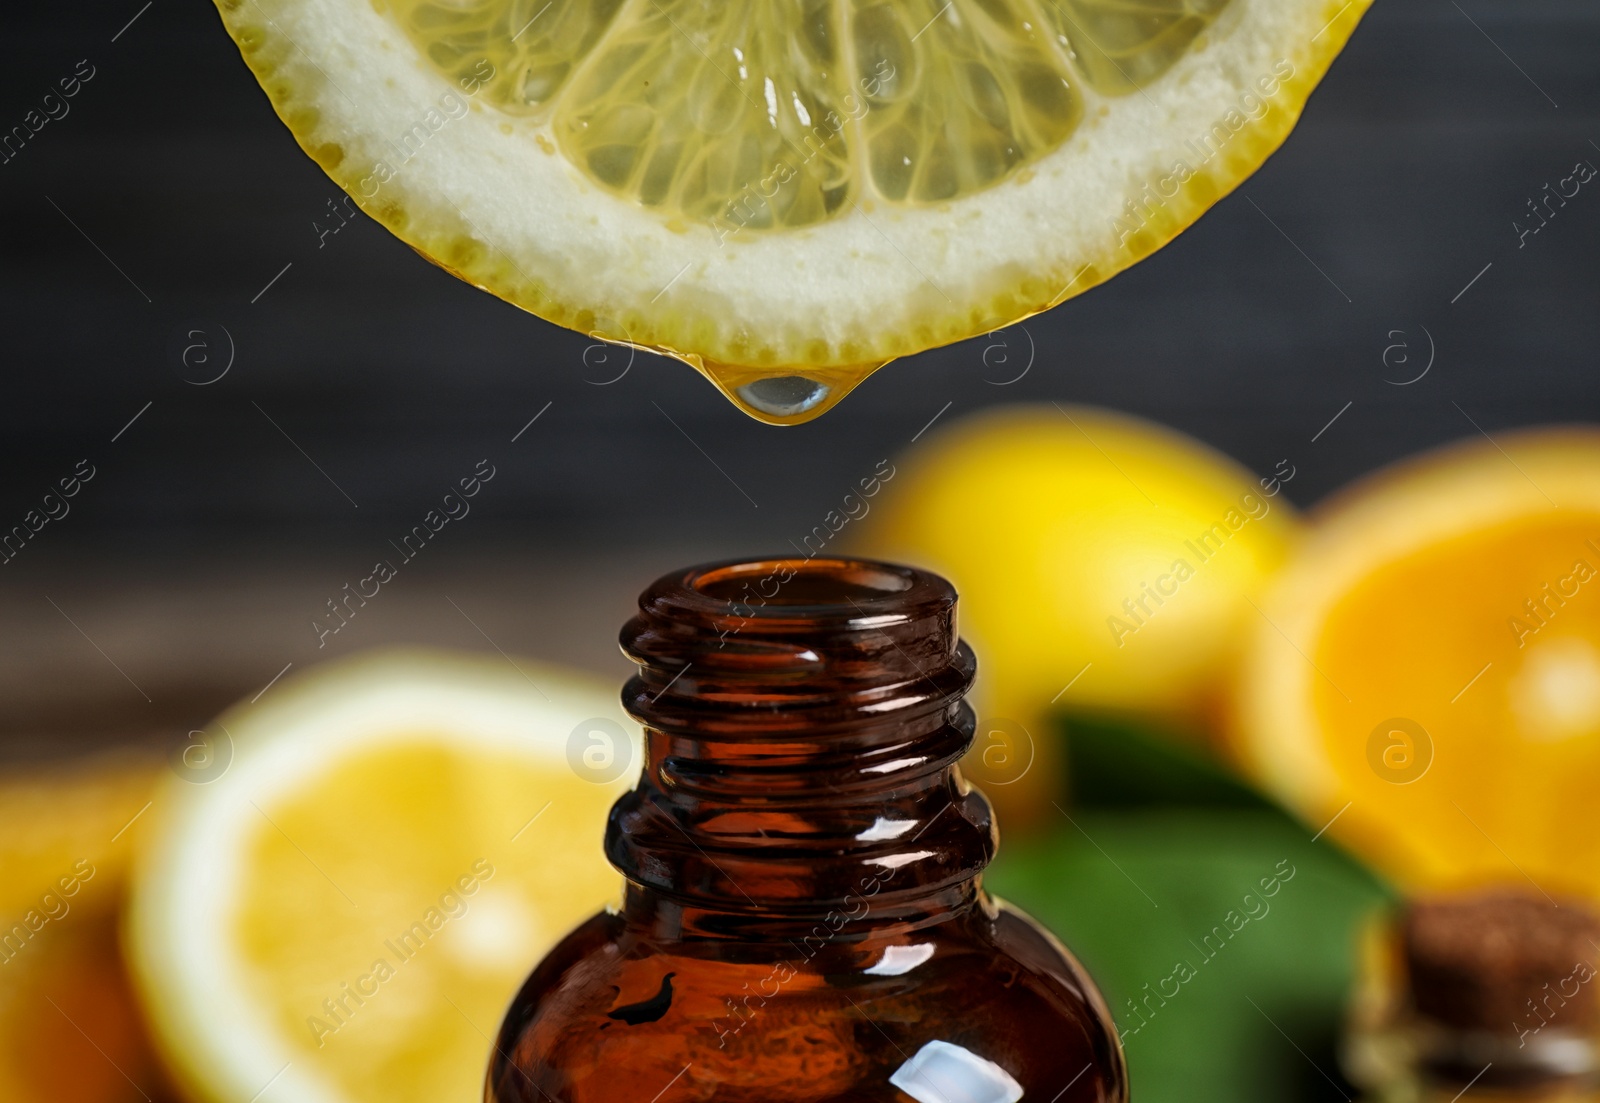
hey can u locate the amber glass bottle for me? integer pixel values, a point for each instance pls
(803, 919)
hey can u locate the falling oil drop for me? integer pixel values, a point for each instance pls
(785, 396)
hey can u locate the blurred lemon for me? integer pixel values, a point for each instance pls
(1103, 562)
(343, 914)
(68, 1029)
(1427, 675)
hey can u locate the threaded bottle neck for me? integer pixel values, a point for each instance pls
(802, 723)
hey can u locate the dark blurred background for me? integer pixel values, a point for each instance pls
(365, 382)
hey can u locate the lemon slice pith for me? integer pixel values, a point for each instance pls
(796, 191)
(346, 911)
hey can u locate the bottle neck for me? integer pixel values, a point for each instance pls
(803, 720)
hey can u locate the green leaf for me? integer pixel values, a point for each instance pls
(1117, 762)
(1145, 897)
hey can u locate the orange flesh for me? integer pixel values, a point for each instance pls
(1515, 762)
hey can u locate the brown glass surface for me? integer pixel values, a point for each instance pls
(803, 910)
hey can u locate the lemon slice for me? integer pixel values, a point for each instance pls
(344, 914)
(787, 196)
(1424, 678)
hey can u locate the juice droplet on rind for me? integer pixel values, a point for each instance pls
(784, 395)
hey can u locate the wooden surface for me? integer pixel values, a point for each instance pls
(155, 649)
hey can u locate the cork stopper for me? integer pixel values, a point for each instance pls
(1502, 961)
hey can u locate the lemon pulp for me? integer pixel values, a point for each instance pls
(472, 912)
(765, 116)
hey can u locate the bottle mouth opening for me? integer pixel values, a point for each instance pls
(800, 583)
(832, 589)
(792, 617)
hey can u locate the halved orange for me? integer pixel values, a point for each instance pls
(1424, 679)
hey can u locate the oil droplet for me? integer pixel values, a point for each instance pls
(784, 395)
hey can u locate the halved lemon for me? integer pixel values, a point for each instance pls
(787, 196)
(1425, 675)
(344, 913)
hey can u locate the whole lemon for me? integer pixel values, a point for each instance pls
(1104, 563)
